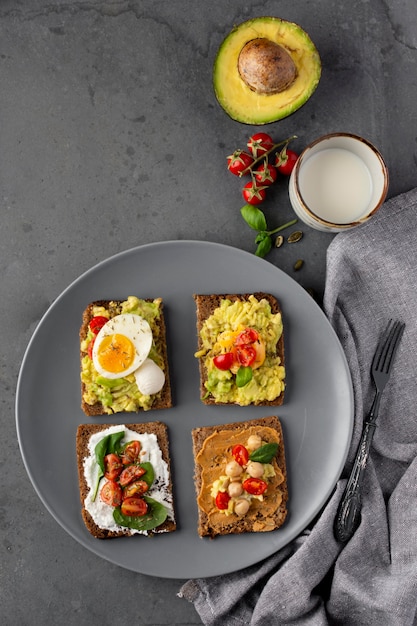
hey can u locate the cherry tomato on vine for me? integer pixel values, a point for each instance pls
(260, 143)
(255, 486)
(238, 162)
(224, 361)
(240, 454)
(222, 500)
(253, 194)
(265, 174)
(134, 507)
(286, 161)
(97, 322)
(111, 493)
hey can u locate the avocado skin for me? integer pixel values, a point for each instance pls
(237, 99)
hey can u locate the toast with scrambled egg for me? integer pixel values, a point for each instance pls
(124, 357)
(240, 349)
(240, 477)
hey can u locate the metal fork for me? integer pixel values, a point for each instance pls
(349, 511)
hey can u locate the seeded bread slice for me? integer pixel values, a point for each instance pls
(84, 433)
(161, 400)
(253, 521)
(205, 306)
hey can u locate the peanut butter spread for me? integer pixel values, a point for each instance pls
(214, 457)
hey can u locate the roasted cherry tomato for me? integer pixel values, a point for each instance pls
(137, 488)
(112, 466)
(131, 452)
(246, 337)
(111, 493)
(265, 174)
(134, 507)
(224, 361)
(255, 486)
(222, 500)
(238, 162)
(246, 355)
(253, 194)
(286, 161)
(260, 143)
(97, 322)
(131, 473)
(240, 454)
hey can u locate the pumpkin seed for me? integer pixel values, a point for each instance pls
(295, 236)
(298, 264)
(279, 241)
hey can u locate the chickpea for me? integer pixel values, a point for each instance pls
(255, 469)
(241, 506)
(254, 442)
(233, 469)
(235, 489)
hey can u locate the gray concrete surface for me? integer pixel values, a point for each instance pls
(111, 137)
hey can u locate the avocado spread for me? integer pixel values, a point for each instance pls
(267, 381)
(121, 394)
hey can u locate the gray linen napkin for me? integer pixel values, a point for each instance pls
(372, 579)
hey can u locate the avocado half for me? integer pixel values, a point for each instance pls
(265, 69)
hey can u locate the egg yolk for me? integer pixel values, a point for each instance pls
(116, 353)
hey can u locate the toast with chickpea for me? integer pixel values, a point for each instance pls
(240, 477)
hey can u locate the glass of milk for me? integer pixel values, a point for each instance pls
(339, 182)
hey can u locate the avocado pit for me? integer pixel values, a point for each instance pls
(266, 67)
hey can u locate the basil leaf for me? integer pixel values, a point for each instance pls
(265, 453)
(253, 217)
(243, 376)
(149, 476)
(155, 516)
(264, 246)
(107, 445)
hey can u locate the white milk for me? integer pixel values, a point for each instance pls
(336, 185)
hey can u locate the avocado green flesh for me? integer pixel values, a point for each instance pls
(235, 96)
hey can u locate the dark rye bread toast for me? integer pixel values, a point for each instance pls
(163, 399)
(255, 521)
(84, 433)
(205, 305)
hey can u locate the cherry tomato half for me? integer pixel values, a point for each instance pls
(260, 143)
(240, 454)
(253, 194)
(134, 507)
(222, 500)
(137, 488)
(131, 452)
(246, 337)
(224, 361)
(265, 174)
(286, 161)
(238, 162)
(112, 466)
(255, 486)
(90, 347)
(111, 493)
(97, 322)
(130, 473)
(246, 355)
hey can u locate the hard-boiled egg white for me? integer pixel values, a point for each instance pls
(122, 345)
(149, 378)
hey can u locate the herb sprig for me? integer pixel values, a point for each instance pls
(255, 218)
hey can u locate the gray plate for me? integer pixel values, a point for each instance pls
(317, 415)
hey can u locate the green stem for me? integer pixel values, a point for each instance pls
(266, 154)
(276, 230)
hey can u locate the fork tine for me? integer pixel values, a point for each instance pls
(387, 347)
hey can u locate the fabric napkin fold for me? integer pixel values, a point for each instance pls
(372, 579)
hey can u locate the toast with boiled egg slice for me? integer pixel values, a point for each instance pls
(240, 349)
(124, 357)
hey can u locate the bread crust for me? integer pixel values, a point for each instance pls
(205, 306)
(84, 432)
(163, 399)
(199, 435)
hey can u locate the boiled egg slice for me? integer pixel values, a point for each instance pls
(150, 378)
(122, 345)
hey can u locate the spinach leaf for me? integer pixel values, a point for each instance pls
(243, 376)
(149, 476)
(265, 453)
(155, 516)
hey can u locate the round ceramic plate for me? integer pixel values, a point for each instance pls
(317, 415)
